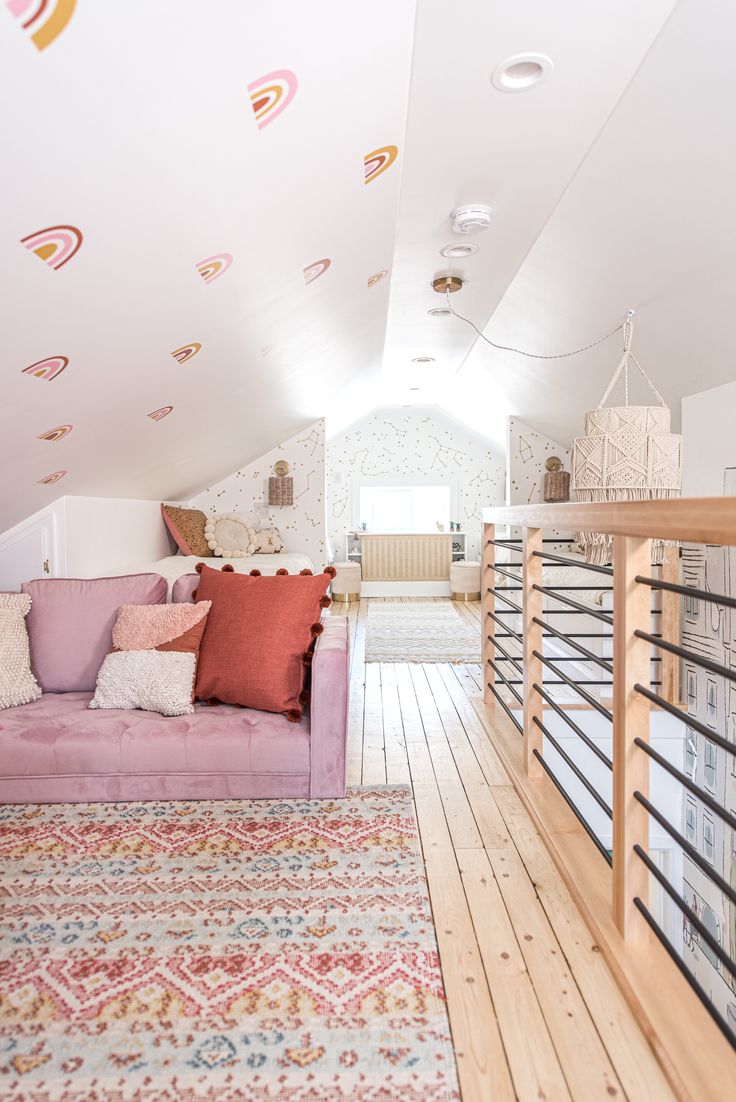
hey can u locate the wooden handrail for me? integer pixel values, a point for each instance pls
(697, 519)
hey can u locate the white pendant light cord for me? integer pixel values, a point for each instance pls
(537, 355)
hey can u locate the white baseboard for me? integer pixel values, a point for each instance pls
(405, 589)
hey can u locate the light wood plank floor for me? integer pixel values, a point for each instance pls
(534, 1011)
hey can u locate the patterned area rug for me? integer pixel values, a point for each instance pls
(419, 631)
(250, 950)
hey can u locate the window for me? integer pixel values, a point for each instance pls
(691, 821)
(709, 764)
(709, 838)
(405, 508)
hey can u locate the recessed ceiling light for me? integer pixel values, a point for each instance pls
(415, 388)
(459, 250)
(423, 360)
(439, 312)
(521, 71)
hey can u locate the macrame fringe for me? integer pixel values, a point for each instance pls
(597, 547)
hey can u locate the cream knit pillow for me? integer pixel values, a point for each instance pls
(229, 536)
(17, 683)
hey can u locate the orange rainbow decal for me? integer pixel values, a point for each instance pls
(56, 244)
(50, 479)
(44, 21)
(378, 161)
(314, 271)
(214, 266)
(159, 414)
(377, 277)
(56, 434)
(272, 94)
(186, 352)
(47, 369)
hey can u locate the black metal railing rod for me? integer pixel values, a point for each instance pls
(574, 604)
(688, 591)
(577, 688)
(697, 858)
(699, 991)
(506, 709)
(728, 962)
(691, 722)
(575, 809)
(506, 627)
(684, 780)
(571, 765)
(507, 573)
(576, 646)
(518, 539)
(515, 659)
(573, 725)
(506, 588)
(567, 561)
(516, 608)
(688, 655)
(509, 684)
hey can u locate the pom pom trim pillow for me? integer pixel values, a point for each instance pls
(187, 529)
(154, 661)
(229, 536)
(259, 631)
(17, 683)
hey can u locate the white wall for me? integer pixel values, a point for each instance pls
(302, 525)
(708, 440)
(526, 453)
(394, 446)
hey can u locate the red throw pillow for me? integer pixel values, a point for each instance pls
(258, 633)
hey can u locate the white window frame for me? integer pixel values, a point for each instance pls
(407, 480)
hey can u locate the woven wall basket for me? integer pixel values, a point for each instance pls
(627, 454)
(281, 490)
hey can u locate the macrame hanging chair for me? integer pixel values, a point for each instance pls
(627, 454)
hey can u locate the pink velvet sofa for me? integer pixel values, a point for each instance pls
(56, 750)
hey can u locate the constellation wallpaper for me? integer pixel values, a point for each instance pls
(527, 452)
(398, 444)
(302, 525)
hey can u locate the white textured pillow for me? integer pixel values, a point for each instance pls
(156, 681)
(17, 683)
(229, 536)
(268, 541)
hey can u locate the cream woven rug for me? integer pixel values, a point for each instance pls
(420, 631)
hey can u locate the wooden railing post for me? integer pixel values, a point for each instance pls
(631, 610)
(669, 625)
(532, 640)
(488, 603)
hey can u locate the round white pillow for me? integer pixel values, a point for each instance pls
(229, 536)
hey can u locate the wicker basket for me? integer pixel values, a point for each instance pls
(281, 490)
(557, 486)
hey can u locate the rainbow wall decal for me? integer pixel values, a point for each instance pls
(50, 479)
(314, 271)
(186, 352)
(159, 414)
(214, 266)
(56, 434)
(378, 161)
(56, 244)
(43, 20)
(47, 369)
(272, 94)
(377, 277)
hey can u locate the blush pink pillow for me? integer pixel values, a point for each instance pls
(70, 625)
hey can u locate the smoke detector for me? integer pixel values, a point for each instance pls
(471, 219)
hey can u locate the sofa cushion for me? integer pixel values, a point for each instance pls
(184, 587)
(17, 683)
(258, 632)
(58, 735)
(70, 624)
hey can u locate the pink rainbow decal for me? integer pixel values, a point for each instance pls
(50, 479)
(47, 369)
(56, 245)
(186, 352)
(314, 271)
(377, 277)
(56, 434)
(159, 414)
(44, 31)
(214, 266)
(378, 161)
(272, 94)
